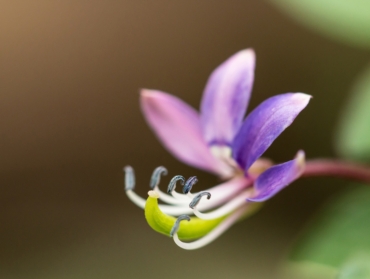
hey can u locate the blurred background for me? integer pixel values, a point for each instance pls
(70, 73)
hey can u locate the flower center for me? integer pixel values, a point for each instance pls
(224, 152)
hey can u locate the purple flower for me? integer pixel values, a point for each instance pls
(217, 139)
(220, 140)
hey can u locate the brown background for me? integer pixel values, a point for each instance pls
(70, 72)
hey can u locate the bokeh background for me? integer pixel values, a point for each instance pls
(70, 73)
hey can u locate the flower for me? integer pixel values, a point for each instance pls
(218, 140)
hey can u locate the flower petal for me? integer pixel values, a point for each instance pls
(264, 124)
(177, 125)
(278, 177)
(226, 97)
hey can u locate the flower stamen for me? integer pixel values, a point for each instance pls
(175, 227)
(140, 202)
(189, 184)
(197, 198)
(178, 204)
(154, 184)
(129, 178)
(156, 176)
(130, 186)
(172, 186)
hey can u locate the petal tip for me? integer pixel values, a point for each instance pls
(302, 97)
(144, 92)
(152, 95)
(247, 54)
(248, 51)
(273, 180)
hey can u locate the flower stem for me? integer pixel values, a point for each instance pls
(337, 168)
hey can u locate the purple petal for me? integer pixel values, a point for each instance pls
(264, 124)
(278, 177)
(226, 97)
(177, 125)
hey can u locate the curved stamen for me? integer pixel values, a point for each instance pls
(154, 184)
(197, 198)
(156, 176)
(189, 184)
(225, 209)
(139, 201)
(172, 186)
(176, 226)
(130, 186)
(174, 199)
(129, 178)
(215, 233)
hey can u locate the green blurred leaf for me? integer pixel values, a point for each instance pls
(353, 140)
(338, 242)
(357, 267)
(347, 20)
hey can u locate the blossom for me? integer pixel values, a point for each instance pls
(218, 139)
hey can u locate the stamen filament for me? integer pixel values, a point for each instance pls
(168, 209)
(135, 198)
(172, 210)
(227, 208)
(183, 200)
